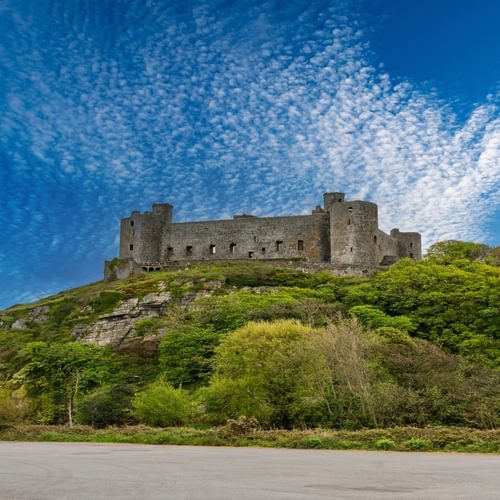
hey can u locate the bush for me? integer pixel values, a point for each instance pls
(227, 398)
(418, 444)
(385, 444)
(109, 405)
(160, 404)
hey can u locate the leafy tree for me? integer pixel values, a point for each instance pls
(186, 353)
(104, 406)
(448, 251)
(61, 372)
(265, 360)
(455, 305)
(160, 404)
(375, 318)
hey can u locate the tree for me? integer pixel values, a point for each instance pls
(63, 371)
(186, 354)
(448, 251)
(104, 406)
(264, 362)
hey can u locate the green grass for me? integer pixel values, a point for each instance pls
(445, 439)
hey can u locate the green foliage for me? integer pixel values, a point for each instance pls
(107, 405)
(417, 348)
(148, 326)
(106, 301)
(227, 398)
(186, 354)
(375, 318)
(13, 407)
(264, 360)
(448, 251)
(455, 305)
(418, 444)
(55, 375)
(160, 404)
(385, 444)
(286, 374)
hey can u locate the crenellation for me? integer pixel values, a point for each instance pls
(343, 234)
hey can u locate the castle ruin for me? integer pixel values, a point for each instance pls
(341, 235)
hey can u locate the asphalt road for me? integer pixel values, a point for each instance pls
(59, 471)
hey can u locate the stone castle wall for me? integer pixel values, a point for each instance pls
(343, 233)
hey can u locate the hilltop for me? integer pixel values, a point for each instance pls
(283, 345)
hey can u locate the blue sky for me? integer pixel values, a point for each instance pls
(220, 107)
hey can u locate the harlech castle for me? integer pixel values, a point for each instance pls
(341, 235)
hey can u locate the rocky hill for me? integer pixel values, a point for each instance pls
(417, 332)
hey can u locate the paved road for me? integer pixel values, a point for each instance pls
(59, 471)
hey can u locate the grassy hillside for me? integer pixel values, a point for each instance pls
(416, 345)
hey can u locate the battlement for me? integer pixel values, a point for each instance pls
(342, 234)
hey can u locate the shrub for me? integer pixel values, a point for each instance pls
(227, 398)
(418, 444)
(385, 444)
(160, 404)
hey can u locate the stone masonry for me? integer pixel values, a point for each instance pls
(342, 235)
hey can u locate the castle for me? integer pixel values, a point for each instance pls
(342, 235)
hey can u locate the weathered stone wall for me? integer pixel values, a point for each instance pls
(248, 238)
(386, 247)
(409, 244)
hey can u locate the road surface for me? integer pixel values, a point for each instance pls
(59, 471)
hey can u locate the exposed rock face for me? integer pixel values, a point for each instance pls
(20, 324)
(114, 327)
(36, 315)
(39, 314)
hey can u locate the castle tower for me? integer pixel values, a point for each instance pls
(353, 234)
(330, 198)
(141, 234)
(409, 244)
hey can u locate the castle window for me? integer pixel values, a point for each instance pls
(189, 250)
(300, 245)
(411, 245)
(131, 222)
(263, 250)
(279, 246)
(250, 255)
(351, 249)
(375, 240)
(348, 222)
(170, 252)
(411, 255)
(212, 249)
(131, 247)
(340, 200)
(232, 247)
(254, 239)
(350, 209)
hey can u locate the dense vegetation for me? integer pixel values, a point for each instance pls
(415, 345)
